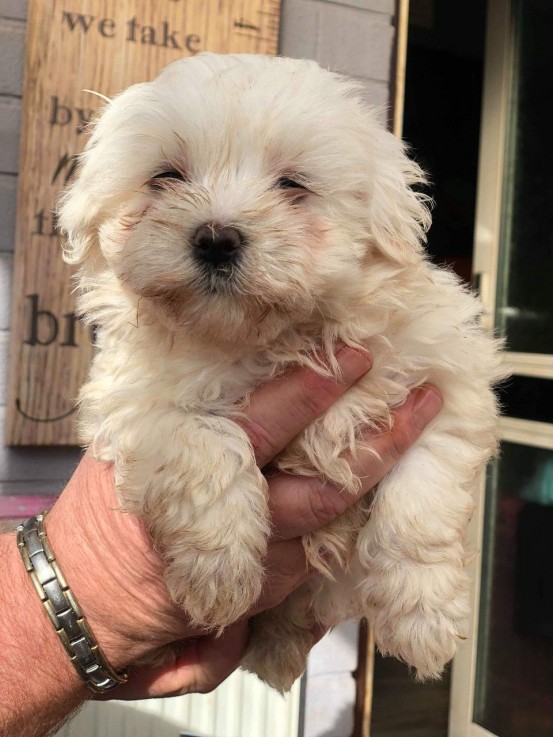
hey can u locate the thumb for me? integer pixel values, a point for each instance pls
(202, 664)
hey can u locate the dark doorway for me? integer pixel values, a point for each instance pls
(443, 94)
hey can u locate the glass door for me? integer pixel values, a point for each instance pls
(503, 676)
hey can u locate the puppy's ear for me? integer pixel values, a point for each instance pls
(77, 219)
(399, 215)
(84, 203)
(123, 140)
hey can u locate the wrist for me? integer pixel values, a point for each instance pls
(107, 560)
(36, 675)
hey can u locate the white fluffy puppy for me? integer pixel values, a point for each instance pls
(235, 216)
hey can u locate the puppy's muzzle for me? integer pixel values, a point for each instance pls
(217, 246)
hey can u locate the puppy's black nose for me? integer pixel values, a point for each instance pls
(217, 245)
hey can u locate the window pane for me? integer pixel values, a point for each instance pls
(514, 682)
(527, 398)
(525, 295)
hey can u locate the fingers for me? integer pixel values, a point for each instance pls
(286, 568)
(300, 505)
(202, 665)
(421, 407)
(280, 409)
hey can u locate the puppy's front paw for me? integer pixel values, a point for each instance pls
(427, 642)
(281, 638)
(277, 650)
(216, 587)
(419, 615)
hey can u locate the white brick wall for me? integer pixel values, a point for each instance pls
(353, 37)
(344, 39)
(10, 122)
(8, 188)
(4, 336)
(5, 289)
(12, 34)
(13, 9)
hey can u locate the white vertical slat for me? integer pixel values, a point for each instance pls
(253, 707)
(241, 707)
(228, 711)
(276, 709)
(114, 720)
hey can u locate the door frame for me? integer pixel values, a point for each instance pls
(498, 73)
(497, 66)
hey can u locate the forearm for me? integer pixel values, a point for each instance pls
(117, 581)
(38, 686)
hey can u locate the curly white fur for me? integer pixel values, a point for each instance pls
(179, 350)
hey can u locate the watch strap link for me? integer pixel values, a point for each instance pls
(62, 608)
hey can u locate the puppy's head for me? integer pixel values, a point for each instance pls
(242, 194)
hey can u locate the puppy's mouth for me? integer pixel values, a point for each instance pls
(221, 279)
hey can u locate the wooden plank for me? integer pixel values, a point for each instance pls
(364, 681)
(101, 45)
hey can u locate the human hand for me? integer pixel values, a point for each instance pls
(134, 614)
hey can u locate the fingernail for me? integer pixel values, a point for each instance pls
(354, 362)
(427, 403)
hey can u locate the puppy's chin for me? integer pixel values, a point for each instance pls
(227, 306)
(218, 315)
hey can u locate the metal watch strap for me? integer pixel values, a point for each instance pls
(62, 608)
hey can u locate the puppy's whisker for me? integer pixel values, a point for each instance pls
(100, 95)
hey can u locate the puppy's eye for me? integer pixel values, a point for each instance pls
(172, 174)
(287, 183)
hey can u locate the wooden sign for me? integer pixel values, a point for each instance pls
(74, 46)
